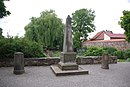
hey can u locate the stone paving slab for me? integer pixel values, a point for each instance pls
(42, 76)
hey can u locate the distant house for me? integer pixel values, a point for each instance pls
(108, 39)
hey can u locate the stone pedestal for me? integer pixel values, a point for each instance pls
(67, 65)
(18, 63)
(105, 61)
(67, 61)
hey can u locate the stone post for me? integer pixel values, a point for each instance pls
(18, 63)
(105, 61)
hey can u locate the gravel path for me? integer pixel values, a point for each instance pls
(42, 76)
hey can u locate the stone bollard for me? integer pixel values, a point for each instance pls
(105, 61)
(18, 63)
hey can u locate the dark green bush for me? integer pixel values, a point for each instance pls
(93, 51)
(119, 54)
(128, 60)
(8, 46)
(126, 54)
(110, 50)
(98, 51)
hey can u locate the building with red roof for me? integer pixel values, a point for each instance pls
(107, 35)
(108, 38)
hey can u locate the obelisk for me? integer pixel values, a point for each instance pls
(68, 56)
(68, 41)
(67, 64)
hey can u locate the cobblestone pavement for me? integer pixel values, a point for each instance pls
(42, 76)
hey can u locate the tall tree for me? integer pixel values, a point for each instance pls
(3, 11)
(46, 29)
(125, 24)
(1, 36)
(82, 24)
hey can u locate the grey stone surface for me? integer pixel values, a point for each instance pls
(68, 66)
(68, 41)
(105, 61)
(117, 76)
(68, 57)
(68, 61)
(18, 63)
(58, 72)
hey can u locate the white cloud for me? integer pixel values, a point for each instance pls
(108, 13)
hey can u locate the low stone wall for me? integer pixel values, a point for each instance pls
(94, 60)
(31, 61)
(41, 61)
(55, 60)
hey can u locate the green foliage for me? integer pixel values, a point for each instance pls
(121, 60)
(8, 46)
(46, 30)
(56, 53)
(3, 11)
(91, 51)
(94, 51)
(123, 54)
(98, 51)
(82, 24)
(126, 54)
(125, 24)
(76, 40)
(119, 54)
(128, 60)
(110, 50)
(1, 36)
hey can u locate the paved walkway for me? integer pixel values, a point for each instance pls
(42, 76)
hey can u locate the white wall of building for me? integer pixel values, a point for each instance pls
(106, 37)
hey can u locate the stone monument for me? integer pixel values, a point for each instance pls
(68, 56)
(105, 61)
(67, 64)
(18, 63)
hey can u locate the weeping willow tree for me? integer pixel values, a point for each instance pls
(46, 30)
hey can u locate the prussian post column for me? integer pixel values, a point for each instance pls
(18, 63)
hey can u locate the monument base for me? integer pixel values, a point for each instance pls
(105, 66)
(58, 72)
(68, 66)
(18, 72)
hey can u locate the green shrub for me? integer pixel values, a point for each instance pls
(128, 60)
(110, 50)
(56, 53)
(8, 46)
(93, 51)
(121, 60)
(126, 54)
(98, 51)
(119, 54)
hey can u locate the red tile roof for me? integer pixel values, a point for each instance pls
(100, 35)
(97, 36)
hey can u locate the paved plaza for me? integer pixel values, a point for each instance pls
(42, 76)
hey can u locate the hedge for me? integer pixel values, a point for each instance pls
(8, 46)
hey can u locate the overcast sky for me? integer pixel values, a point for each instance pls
(108, 13)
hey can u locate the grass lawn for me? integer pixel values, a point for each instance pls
(121, 60)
